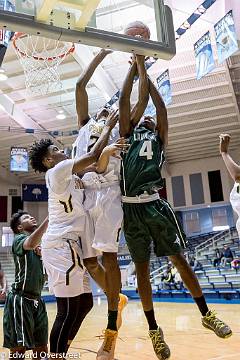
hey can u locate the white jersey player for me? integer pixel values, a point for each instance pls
(67, 240)
(235, 202)
(104, 203)
(68, 235)
(234, 171)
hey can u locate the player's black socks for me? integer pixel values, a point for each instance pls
(202, 305)
(151, 319)
(112, 320)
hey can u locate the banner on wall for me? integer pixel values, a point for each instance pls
(26, 7)
(226, 37)
(34, 192)
(19, 159)
(6, 35)
(204, 55)
(164, 87)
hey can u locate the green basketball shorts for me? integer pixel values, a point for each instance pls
(149, 222)
(25, 322)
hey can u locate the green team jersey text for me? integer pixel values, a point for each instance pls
(141, 165)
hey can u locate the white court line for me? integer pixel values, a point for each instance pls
(223, 357)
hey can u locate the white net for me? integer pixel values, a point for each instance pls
(40, 58)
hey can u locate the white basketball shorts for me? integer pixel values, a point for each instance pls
(105, 209)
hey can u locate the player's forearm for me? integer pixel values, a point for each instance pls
(124, 102)
(143, 93)
(35, 238)
(88, 72)
(102, 142)
(102, 163)
(143, 81)
(84, 162)
(233, 168)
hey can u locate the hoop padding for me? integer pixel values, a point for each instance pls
(40, 58)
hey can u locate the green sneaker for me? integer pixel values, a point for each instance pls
(210, 321)
(160, 347)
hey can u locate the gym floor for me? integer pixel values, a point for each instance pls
(181, 323)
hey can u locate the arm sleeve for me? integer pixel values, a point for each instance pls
(60, 176)
(17, 247)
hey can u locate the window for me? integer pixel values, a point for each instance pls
(215, 185)
(192, 222)
(178, 191)
(196, 189)
(3, 208)
(7, 236)
(17, 204)
(220, 219)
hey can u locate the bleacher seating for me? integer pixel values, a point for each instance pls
(216, 282)
(7, 264)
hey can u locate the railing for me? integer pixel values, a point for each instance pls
(158, 272)
(212, 240)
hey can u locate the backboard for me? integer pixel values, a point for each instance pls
(96, 23)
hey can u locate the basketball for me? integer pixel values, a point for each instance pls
(138, 28)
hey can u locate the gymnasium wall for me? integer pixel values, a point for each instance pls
(184, 170)
(37, 209)
(205, 211)
(187, 168)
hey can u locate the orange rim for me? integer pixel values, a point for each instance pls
(18, 35)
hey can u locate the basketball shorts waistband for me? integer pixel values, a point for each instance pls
(139, 199)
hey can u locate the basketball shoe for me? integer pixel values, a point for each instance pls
(106, 351)
(160, 347)
(211, 322)
(123, 300)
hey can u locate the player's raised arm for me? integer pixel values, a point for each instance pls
(162, 120)
(232, 167)
(110, 150)
(92, 156)
(33, 240)
(81, 93)
(124, 102)
(143, 92)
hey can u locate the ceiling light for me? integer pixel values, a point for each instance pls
(61, 115)
(3, 76)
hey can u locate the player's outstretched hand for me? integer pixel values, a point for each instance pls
(224, 143)
(112, 119)
(115, 149)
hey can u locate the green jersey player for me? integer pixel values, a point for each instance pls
(148, 218)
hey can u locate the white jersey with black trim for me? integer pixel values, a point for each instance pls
(65, 201)
(235, 202)
(87, 137)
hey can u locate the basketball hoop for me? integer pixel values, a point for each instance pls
(40, 58)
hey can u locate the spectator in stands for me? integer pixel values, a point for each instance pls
(227, 256)
(218, 257)
(191, 260)
(196, 264)
(235, 264)
(178, 281)
(166, 278)
(3, 285)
